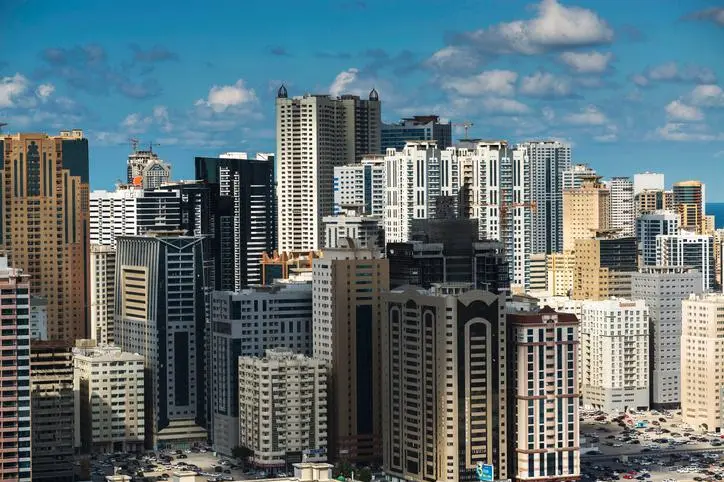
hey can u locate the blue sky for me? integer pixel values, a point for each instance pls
(634, 84)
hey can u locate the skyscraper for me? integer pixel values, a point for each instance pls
(347, 287)
(145, 169)
(52, 411)
(15, 389)
(648, 227)
(444, 382)
(361, 186)
(548, 160)
(586, 210)
(689, 200)
(245, 218)
(543, 361)
(688, 249)
(44, 227)
(663, 288)
(603, 267)
(574, 177)
(160, 314)
(615, 355)
(103, 292)
(650, 200)
(315, 133)
(417, 128)
(622, 205)
(702, 344)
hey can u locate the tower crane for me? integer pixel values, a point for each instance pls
(466, 125)
(134, 143)
(2, 124)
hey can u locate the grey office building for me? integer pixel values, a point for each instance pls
(417, 128)
(160, 314)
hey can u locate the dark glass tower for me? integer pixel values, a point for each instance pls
(243, 216)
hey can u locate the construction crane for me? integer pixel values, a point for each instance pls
(2, 124)
(151, 144)
(134, 143)
(466, 125)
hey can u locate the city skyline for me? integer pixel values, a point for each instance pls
(629, 94)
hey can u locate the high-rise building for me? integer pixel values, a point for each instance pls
(103, 291)
(44, 227)
(586, 210)
(366, 230)
(648, 181)
(538, 273)
(543, 358)
(288, 425)
(648, 227)
(650, 200)
(15, 389)
(662, 289)
(448, 251)
(347, 286)
(622, 206)
(416, 176)
(444, 396)
(145, 169)
(603, 268)
(573, 178)
(361, 186)
(160, 314)
(245, 219)
(315, 133)
(688, 249)
(38, 318)
(417, 128)
(110, 409)
(131, 211)
(561, 270)
(615, 355)
(690, 202)
(702, 372)
(548, 161)
(247, 323)
(52, 411)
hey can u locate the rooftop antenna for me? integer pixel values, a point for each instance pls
(134, 143)
(2, 124)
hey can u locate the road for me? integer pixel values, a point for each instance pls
(654, 453)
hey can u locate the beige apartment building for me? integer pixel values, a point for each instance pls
(603, 267)
(702, 370)
(650, 200)
(103, 293)
(347, 312)
(544, 345)
(283, 408)
(586, 210)
(560, 273)
(110, 409)
(45, 223)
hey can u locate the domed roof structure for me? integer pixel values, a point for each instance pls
(282, 92)
(374, 95)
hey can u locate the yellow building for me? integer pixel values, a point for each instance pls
(561, 267)
(45, 223)
(586, 209)
(603, 268)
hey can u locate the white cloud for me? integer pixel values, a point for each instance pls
(160, 115)
(137, 123)
(454, 58)
(555, 27)
(504, 106)
(678, 111)
(714, 14)
(44, 91)
(610, 135)
(589, 116)
(11, 88)
(222, 97)
(543, 84)
(548, 113)
(342, 81)
(498, 82)
(673, 72)
(676, 131)
(709, 95)
(587, 62)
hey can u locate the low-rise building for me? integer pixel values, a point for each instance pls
(110, 408)
(283, 408)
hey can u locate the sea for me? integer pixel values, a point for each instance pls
(717, 209)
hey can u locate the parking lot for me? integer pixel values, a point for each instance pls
(651, 445)
(161, 465)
